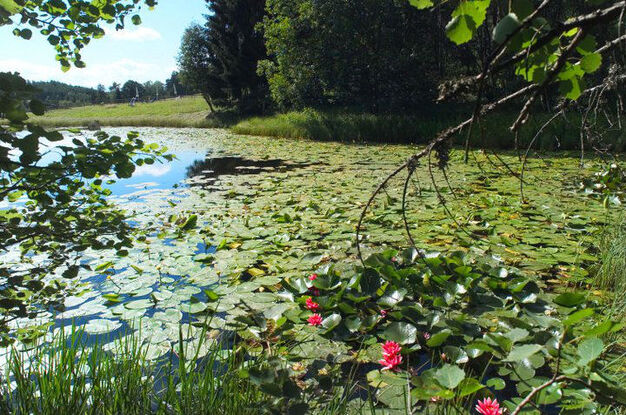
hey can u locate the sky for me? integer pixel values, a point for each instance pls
(142, 53)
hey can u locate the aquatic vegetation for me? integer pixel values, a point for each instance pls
(244, 244)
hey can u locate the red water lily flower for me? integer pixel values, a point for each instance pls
(313, 277)
(488, 407)
(315, 320)
(391, 356)
(383, 313)
(391, 362)
(391, 348)
(312, 305)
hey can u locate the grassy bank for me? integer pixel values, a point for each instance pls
(188, 111)
(331, 125)
(563, 133)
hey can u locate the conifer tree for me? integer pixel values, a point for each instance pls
(237, 45)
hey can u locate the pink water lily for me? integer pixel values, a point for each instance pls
(391, 362)
(391, 356)
(391, 348)
(488, 407)
(312, 305)
(312, 277)
(315, 320)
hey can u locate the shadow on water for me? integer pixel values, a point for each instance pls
(213, 167)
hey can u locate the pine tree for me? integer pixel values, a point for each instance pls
(237, 46)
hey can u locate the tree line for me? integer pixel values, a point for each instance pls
(56, 94)
(366, 55)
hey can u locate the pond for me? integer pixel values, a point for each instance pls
(270, 210)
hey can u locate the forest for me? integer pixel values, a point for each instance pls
(361, 207)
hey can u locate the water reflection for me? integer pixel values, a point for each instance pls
(213, 167)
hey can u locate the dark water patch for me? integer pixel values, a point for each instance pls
(211, 168)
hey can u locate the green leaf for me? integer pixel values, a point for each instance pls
(400, 332)
(519, 353)
(591, 62)
(421, 4)
(190, 223)
(10, 6)
(600, 329)
(466, 18)
(449, 376)
(505, 27)
(392, 298)
(587, 45)
(136, 19)
(469, 386)
(571, 88)
(460, 29)
(496, 383)
(37, 107)
(26, 34)
(331, 321)
(578, 316)
(570, 299)
(589, 350)
(438, 338)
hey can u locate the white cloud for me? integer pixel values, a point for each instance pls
(95, 73)
(140, 34)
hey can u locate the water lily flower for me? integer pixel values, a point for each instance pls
(488, 407)
(315, 320)
(426, 336)
(391, 348)
(383, 313)
(391, 356)
(391, 362)
(312, 277)
(312, 305)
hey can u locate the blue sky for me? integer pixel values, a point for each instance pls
(143, 53)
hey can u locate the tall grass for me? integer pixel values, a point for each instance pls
(344, 125)
(610, 275)
(67, 377)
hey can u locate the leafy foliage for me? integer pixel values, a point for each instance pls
(368, 54)
(68, 25)
(478, 324)
(56, 193)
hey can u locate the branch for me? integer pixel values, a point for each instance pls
(586, 21)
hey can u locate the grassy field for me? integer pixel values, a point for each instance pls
(188, 111)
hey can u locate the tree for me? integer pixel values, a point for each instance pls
(235, 47)
(372, 54)
(199, 67)
(174, 86)
(133, 89)
(101, 93)
(115, 91)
